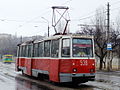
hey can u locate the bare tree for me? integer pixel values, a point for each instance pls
(98, 29)
(8, 44)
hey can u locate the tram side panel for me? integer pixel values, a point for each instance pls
(65, 66)
(40, 65)
(33, 67)
(65, 70)
(28, 67)
(54, 70)
(46, 66)
(20, 64)
(17, 64)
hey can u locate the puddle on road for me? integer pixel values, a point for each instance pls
(108, 79)
(102, 83)
(22, 84)
(85, 87)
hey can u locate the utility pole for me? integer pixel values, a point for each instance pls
(109, 46)
(119, 59)
(108, 21)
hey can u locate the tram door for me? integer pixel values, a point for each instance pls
(28, 61)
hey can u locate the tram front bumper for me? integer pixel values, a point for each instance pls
(79, 77)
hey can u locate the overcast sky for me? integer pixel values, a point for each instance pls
(23, 17)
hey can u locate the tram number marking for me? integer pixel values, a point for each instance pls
(83, 62)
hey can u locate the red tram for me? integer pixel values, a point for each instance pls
(63, 58)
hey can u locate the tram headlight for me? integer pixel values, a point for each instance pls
(74, 69)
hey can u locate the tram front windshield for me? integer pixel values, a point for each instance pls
(82, 47)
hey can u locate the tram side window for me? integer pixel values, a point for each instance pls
(66, 48)
(36, 50)
(55, 48)
(28, 51)
(41, 49)
(23, 53)
(20, 53)
(47, 48)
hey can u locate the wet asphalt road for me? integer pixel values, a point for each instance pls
(11, 80)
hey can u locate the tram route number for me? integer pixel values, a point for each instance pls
(83, 62)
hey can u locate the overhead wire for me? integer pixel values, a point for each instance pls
(115, 2)
(67, 2)
(115, 8)
(40, 16)
(62, 4)
(31, 20)
(26, 21)
(46, 12)
(81, 18)
(87, 17)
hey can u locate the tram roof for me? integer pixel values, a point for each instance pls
(25, 43)
(57, 37)
(64, 36)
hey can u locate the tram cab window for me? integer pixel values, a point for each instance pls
(66, 48)
(82, 47)
(55, 48)
(47, 48)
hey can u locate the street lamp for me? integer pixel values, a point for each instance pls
(48, 24)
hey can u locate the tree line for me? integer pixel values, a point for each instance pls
(8, 43)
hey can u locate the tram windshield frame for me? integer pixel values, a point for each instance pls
(82, 47)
